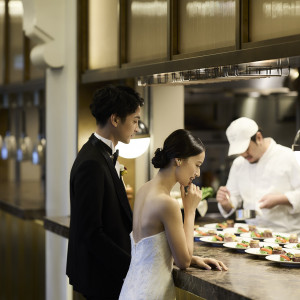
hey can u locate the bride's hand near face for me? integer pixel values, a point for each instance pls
(191, 199)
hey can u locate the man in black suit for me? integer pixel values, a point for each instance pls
(101, 219)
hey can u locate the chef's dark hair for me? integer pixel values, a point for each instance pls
(179, 144)
(253, 137)
(120, 100)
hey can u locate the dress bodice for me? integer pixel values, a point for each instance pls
(150, 271)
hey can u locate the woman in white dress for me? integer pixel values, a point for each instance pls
(159, 235)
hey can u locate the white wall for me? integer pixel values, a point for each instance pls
(61, 133)
(167, 115)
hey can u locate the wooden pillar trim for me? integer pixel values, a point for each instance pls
(123, 32)
(6, 41)
(244, 22)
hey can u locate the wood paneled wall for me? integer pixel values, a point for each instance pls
(22, 258)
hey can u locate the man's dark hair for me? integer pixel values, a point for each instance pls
(120, 100)
(253, 137)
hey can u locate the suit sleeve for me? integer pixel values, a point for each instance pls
(89, 188)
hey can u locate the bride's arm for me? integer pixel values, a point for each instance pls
(181, 236)
(206, 263)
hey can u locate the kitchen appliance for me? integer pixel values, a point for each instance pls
(245, 214)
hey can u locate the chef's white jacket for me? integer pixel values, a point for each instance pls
(277, 171)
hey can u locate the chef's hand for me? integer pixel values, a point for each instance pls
(206, 262)
(222, 197)
(271, 200)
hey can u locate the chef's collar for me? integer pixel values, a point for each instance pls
(109, 143)
(269, 149)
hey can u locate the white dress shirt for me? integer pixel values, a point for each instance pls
(277, 171)
(110, 144)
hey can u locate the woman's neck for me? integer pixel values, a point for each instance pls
(166, 178)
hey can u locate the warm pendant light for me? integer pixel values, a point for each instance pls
(296, 146)
(138, 145)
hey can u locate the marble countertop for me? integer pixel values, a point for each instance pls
(25, 200)
(58, 225)
(248, 277)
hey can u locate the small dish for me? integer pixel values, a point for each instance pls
(233, 246)
(292, 246)
(208, 239)
(276, 258)
(256, 251)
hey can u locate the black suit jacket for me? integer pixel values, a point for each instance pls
(101, 221)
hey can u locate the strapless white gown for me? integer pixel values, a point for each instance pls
(150, 273)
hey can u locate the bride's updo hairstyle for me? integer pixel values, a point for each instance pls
(179, 144)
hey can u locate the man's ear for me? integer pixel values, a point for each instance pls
(259, 137)
(115, 120)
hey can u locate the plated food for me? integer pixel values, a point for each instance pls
(290, 259)
(282, 238)
(202, 231)
(219, 226)
(265, 249)
(224, 225)
(216, 240)
(242, 229)
(254, 244)
(229, 237)
(258, 233)
(286, 238)
(292, 246)
(239, 245)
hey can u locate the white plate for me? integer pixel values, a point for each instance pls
(203, 229)
(232, 230)
(287, 235)
(208, 239)
(248, 234)
(292, 246)
(232, 245)
(236, 225)
(256, 251)
(214, 226)
(272, 240)
(276, 258)
(197, 236)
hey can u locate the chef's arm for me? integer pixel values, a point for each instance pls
(223, 198)
(271, 200)
(228, 196)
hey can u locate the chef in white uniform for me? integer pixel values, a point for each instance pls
(264, 177)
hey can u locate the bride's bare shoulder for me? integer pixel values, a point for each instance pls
(167, 203)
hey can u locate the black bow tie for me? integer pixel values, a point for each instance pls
(114, 156)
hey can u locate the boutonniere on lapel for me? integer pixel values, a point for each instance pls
(123, 170)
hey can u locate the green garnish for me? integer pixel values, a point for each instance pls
(207, 192)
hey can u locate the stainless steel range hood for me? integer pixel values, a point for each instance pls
(253, 70)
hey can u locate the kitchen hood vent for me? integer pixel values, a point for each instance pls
(263, 69)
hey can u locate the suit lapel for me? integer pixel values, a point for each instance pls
(119, 186)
